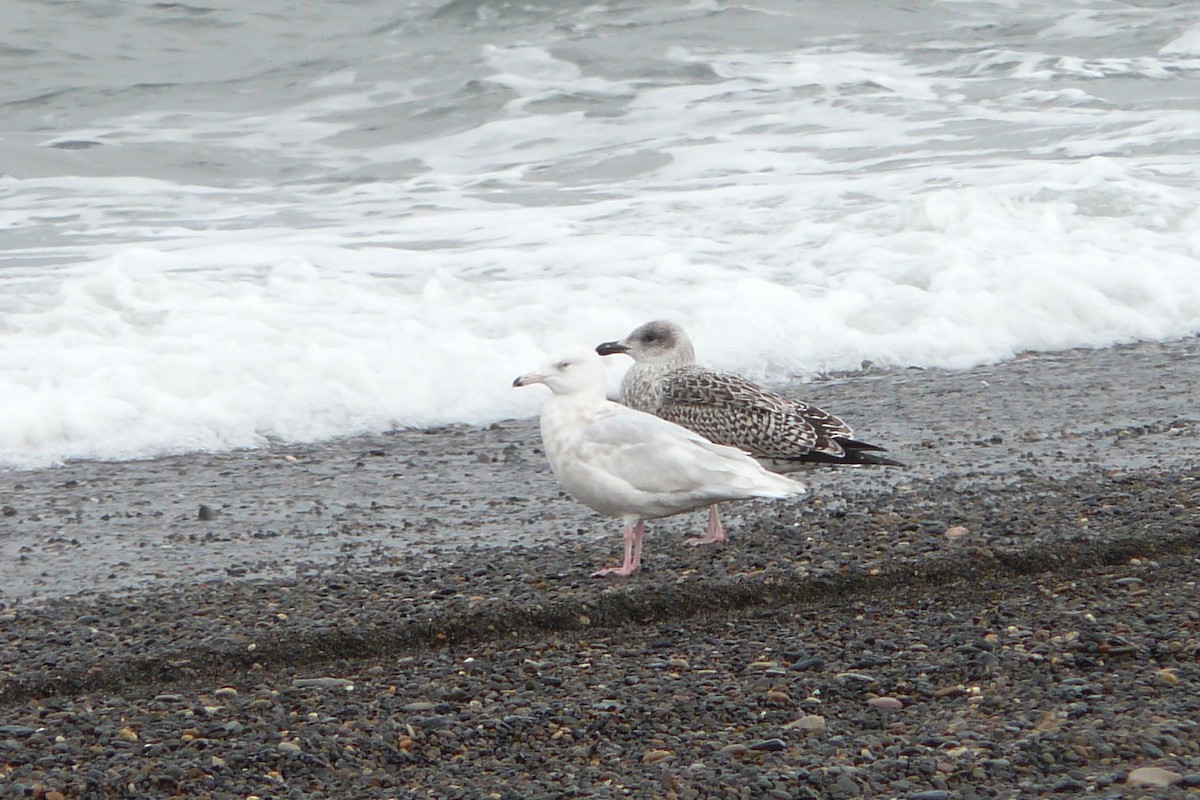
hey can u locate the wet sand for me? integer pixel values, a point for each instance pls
(414, 498)
(410, 615)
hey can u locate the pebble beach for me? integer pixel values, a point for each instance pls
(411, 615)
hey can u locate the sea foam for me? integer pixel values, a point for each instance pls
(387, 238)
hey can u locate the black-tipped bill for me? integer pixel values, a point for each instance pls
(611, 348)
(530, 378)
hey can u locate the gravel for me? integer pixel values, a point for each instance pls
(997, 621)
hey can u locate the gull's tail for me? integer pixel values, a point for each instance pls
(853, 452)
(746, 475)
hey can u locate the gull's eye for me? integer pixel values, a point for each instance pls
(564, 364)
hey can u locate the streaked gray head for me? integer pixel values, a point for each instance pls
(659, 341)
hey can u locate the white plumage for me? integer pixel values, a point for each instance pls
(636, 466)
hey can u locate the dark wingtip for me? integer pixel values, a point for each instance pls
(866, 453)
(854, 453)
(880, 461)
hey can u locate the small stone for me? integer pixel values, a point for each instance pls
(1167, 676)
(809, 723)
(930, 794)
(1191, 780)
(769, 745)
(848, 785)
(433, 723)
(8, 511)
(17, 731)
(205, 513)
(1153, 776)
(655, 756)
(289, 747)
(955, 532)
(420, 705)
(733, 750)
(885, 703)
(861, 677)
(54, 794)
(321, 683)
(807, 664)
(225, 691)
(127, 734)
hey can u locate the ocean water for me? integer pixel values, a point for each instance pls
(226, 223)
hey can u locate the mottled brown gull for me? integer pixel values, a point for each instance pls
(784, 434)
(628, 464)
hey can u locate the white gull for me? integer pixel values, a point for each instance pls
(783, 433)
(628, 464)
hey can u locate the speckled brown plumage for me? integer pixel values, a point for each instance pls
(729, 409)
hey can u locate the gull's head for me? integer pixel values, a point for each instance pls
(659, 341)
(573, 371)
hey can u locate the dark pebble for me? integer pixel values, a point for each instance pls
(769, 745)
(848, 785)
(433, 723)
(1069, 786)
(17, 731)
(322, 683)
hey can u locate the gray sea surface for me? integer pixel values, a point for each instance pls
(202, 94)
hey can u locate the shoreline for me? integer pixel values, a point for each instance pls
(426, 496)
(1013, 616)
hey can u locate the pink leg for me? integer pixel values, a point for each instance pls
(633, 551)
(714, 533)
(639, 531)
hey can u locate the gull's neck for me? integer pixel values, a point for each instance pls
(577, 404)
(683, 353)
(564, 418)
